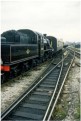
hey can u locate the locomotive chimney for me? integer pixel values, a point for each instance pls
(45, 35)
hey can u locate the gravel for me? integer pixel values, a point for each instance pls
(10, 91)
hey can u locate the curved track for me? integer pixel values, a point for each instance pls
(39, 102)
(77, 52)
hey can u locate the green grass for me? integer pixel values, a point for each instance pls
(59, 113)
(77, 113)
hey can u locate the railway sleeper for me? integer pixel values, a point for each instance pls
(28, 115)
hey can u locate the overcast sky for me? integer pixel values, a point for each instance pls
(60, 18)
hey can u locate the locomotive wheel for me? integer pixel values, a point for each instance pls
(43, 59)
(11, 74)
(24, 68)
(32, 63)
(15, 71)
(5, 77)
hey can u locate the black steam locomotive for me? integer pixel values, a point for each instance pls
(23, 49)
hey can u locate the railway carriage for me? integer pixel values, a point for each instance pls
(56, 44)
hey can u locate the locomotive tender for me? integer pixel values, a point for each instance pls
(23, 49)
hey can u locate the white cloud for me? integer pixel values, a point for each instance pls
(59, 18)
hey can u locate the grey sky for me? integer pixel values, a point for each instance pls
(60, 18)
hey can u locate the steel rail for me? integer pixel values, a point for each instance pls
(78, 54)
(53, 93)
(60, 89)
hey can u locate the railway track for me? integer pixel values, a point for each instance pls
(66, 67)
(77, 52)
(38, 103)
